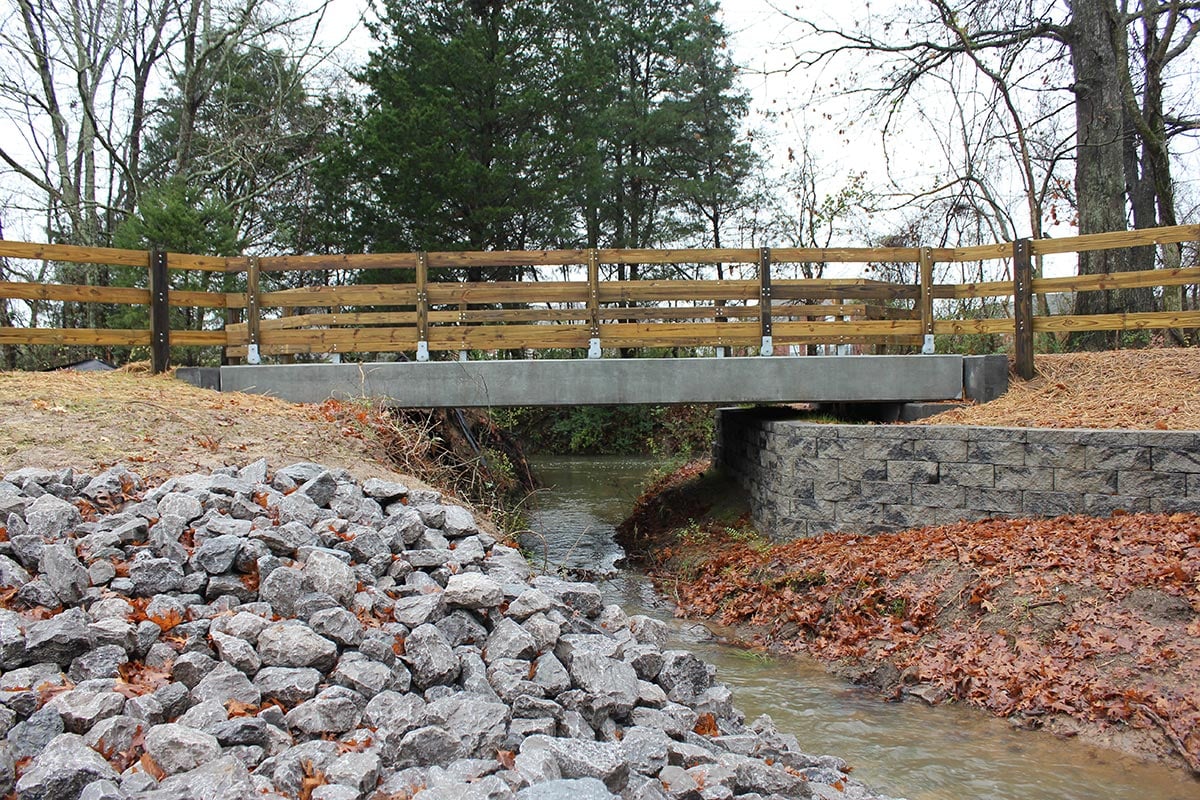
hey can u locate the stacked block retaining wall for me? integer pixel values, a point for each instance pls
(805, 479)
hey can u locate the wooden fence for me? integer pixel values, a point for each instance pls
(431, 308)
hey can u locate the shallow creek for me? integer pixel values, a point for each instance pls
(904, 749)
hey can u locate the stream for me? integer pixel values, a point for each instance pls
(903, 749)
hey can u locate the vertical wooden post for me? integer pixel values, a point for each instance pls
(927, 346)
(253, 311)
(593, 303)
(1023, 307)
(422, 306)
(160, 312)
(764, 301)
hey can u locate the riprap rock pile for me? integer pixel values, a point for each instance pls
(299, 634)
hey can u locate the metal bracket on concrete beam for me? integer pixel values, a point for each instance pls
(462, 355)
(252, 356)
(767, 348)
(927, 348)
(422, 350)
(594, 347)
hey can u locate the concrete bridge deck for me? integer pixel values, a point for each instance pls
(824, 379)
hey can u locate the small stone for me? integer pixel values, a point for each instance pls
(216, 555)
(153, 576)
(430, 658)
(178, 748)
(282, 589)
(383, 491)
(472, 590)
(320, 488)
(581, 759)
(359, 771)
(81, 709)
(325, 572)
(29, 738)
(567, 789)
(62, 769)
(178, 504)
(294, 644)
(225, 683)
(509, 640)
(289, 685)
(58, 639)
(50, 518)
(65, 574)
(334, 710)
(236, 652)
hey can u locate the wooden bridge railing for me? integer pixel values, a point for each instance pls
(430, 308)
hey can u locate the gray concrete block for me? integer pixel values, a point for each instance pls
(912, 471)
(812, 508)
(1103, 505)
(937, 495)
(940, 450)
(994, 500)
(1193, 485)
(1085, 481)
(976, 434)
(858, 512)
(947, 433)
(1151, 484)
(985, 377)
(839, 448)
(1173, 459)
(799, 443)
(886, 492)
(995, 451)
(887, 449)
(202, 377)
(953, 516)
(1054, 454)
(967, 474)
(803, 468)
(1025, 478)
(1051, 504)
(1175, 505)
(1178, 439)
(835, 489)
(900, 517)
(1117, 456)
(862, 469)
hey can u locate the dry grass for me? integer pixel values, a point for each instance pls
(1135, 389)
(160, 426)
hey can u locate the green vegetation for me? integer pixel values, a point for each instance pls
(670, 432)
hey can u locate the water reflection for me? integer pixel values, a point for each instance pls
(904, 749)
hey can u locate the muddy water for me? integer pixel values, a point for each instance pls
(904, 749)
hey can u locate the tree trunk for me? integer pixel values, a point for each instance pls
(1097, 47)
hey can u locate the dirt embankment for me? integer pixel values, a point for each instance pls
(1078, 625)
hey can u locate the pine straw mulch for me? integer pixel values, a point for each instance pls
(1081, 625)
(159, 426)
(1135, 389)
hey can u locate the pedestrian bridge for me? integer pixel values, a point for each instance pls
(560, 382)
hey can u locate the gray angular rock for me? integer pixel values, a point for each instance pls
(102, 662)
(62, 769)
(225, 682)
(294, 644)
(509, 640)
(289, 685)
(115, 734)
(58, 639)
(529, 602)
(613, 684)
(27, 739)
(359, 771)
(190, 668)
(282, 589)
(334, 710)
(384, 491)
(181, 505)
(153, 576)
(581, 759)
(326, 572)
(337, 624)
(64, 573)
(567, 789)
(50, 518)
(240, 731)
(217, 554)
(684, 676)
(430, 745)
(645, 749)
(472, 590)
(12, 574)
(299, 508)
(320, 488)
(479, 724)
(12, 639)
(103, 790)
(225, 778)
(80, 709)
(395, 712)
(430, 657)
(458, 522)
(236, 652)
(364, 676)
(179, 748)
